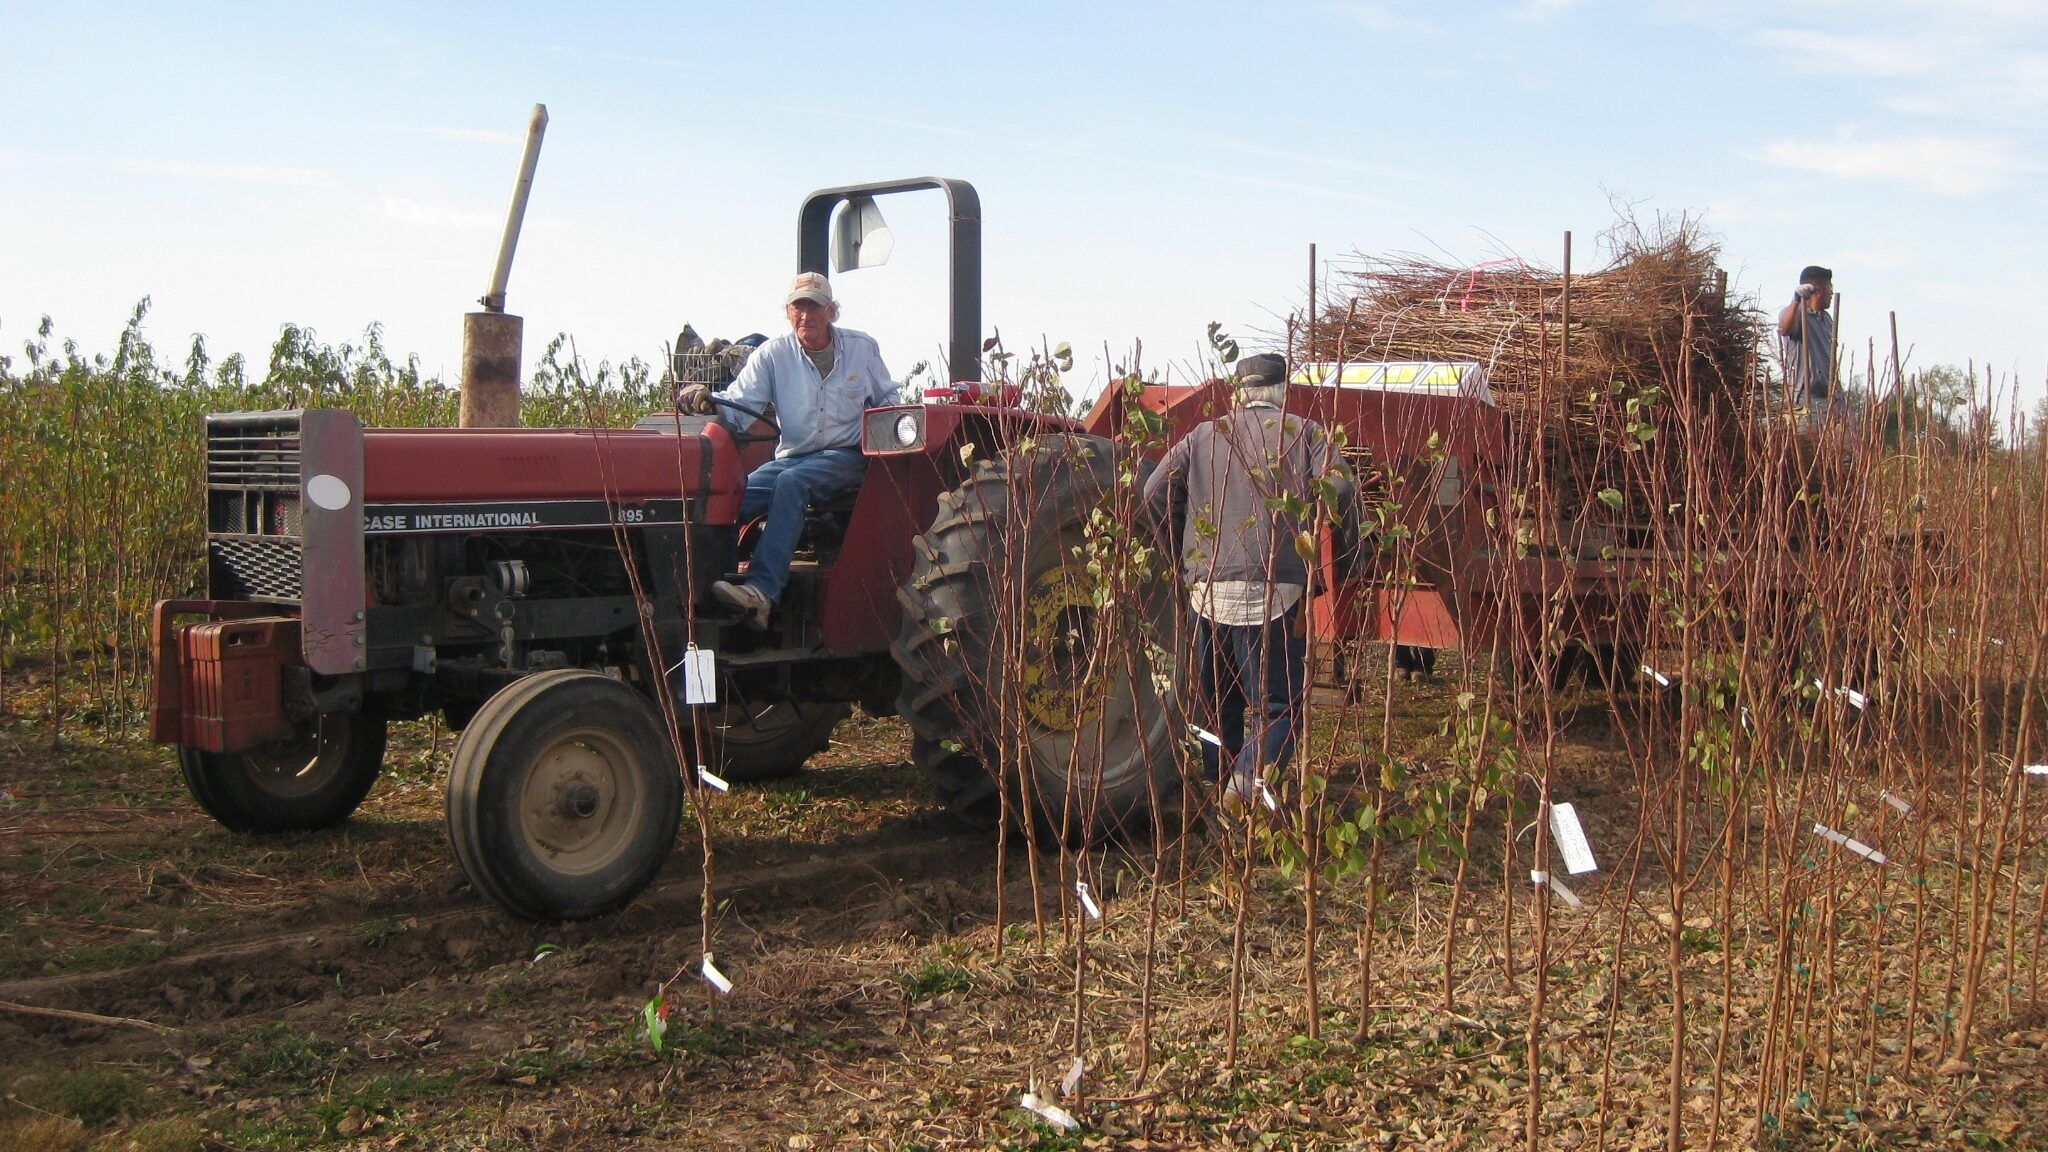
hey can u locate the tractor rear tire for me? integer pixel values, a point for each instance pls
(768, 741)
(290, 785)
(1097, 747)
(563, 796)
(965, 787)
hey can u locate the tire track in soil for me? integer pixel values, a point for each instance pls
(270, 972)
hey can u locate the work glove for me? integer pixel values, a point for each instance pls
(695, 398)
(734, 357)
(1804, 291)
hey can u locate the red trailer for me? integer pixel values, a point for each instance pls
(1446, 564)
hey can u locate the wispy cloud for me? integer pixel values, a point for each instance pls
(1538, 11)
(669, 63)
(1965, 59)
(1859, 55)
(1301, 160)
(1118, 159)
(2016, 81)
(237, 173)
(885, 121)
(465, 135)
(1874, 258)
(1951, 166)
(188, 169)
(1377, 17)
(408, 211)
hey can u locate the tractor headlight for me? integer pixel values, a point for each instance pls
(893, 429)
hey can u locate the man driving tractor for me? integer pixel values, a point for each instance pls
(820, 378)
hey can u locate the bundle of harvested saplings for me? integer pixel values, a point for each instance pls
(1608, 378)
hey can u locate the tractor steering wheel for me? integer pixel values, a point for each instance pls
(745, 438)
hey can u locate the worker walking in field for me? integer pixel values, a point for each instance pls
(821, 378)
(1806, 333)
(1237, 493)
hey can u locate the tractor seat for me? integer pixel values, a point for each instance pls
(823, 531)
(825, 522)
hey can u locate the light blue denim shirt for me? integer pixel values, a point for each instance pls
(814, 412)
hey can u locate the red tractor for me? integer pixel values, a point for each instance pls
(541, 587)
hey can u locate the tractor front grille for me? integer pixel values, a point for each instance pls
(255, 568)
(254, 548)
(253, 456)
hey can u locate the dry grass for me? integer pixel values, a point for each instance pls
(42, 1134)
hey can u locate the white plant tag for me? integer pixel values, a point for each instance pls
(1899, 803)
(1563, 893)
(2037, 769)
(711, 781)
(1845, 692)
(1571, 840)
(1087, 900)
(1053, 1114)
(1662, 680)
(715, 977)
(1851, 843)
(1072, 1079)
(1267, 798)
(1206, 736)
(700, 676)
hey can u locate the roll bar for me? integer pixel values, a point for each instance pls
(814, 234)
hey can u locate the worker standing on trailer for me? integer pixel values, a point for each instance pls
(1237, 493)
(1806, 332)
(821, 378)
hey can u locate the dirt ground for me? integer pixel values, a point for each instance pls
(347, 990)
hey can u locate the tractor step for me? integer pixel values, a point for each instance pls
(765, 657)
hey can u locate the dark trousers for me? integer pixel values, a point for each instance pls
(1253, 684)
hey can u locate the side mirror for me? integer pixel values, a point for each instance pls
(860, 237)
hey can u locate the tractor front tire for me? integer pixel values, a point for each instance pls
(563, 796)
(315, 781)
(757, 742)
(997, 651)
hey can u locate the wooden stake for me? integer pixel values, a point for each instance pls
(1835, 359)
(84, 1017)
(1564, 343)
(1898, 385)
(1308, 351)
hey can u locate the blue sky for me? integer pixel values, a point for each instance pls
(1144, 169)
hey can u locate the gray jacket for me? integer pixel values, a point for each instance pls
(1218, 494)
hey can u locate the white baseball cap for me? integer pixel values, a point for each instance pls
(810, 286)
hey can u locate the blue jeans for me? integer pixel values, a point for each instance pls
(783, 488)
(1822, 410)
(1251, 672)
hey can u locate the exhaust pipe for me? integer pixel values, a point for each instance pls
(491, 338)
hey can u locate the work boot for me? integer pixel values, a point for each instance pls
(748, 599)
